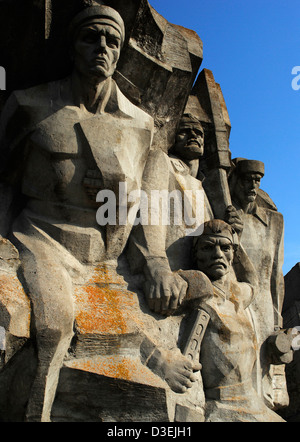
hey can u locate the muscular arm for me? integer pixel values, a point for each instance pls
(277, 278)
(164, 290)
(171, 365)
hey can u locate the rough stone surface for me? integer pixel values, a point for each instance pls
(291, 319)
(105, 317)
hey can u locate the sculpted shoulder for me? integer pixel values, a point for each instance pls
(126, 106)
(41, 95)
(25, 108)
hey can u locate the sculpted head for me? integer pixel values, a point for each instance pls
(248, 175)
(97, 35)
(189, 142)
(214, 249)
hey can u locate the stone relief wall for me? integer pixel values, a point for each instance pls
(104, 320)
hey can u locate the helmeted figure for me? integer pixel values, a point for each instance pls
(262, 238)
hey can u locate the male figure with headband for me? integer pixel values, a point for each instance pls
(71, 138)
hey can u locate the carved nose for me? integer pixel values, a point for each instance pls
(217, 252)
(102, 43)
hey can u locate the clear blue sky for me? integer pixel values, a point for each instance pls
(251, 47)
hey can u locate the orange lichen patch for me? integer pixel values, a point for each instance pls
(9, 284)
(117, 367)
(101, 308)
(16, 303)
(103, 274)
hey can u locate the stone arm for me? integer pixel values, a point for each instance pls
(164, 289)
(279, 344)
(277, 278)
(180, 369)
(170, 365)
(245, 273)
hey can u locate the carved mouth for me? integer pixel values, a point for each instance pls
(193, 142)
(218, 264)
(100, 60)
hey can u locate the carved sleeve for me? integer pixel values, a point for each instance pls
(148, 241)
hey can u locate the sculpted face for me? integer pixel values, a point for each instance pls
(96, 49)
(189, 142)
(247, 187)
(214, 256)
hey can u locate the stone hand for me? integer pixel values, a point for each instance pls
(233, 218)
(280, 347)
(179, 372)
(164, 289)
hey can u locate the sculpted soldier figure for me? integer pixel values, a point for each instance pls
(262, 239)
(166, 249)
(184, 175)
(161, 249)
(63, 142)
(228, 351)
(60, 144)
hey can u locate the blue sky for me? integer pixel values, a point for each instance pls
(251, 47)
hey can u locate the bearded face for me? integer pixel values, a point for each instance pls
(189, 143)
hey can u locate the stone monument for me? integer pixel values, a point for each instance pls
(291, 320)
(128, 270)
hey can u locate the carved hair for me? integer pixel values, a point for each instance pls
(189, 118)
(215, 227)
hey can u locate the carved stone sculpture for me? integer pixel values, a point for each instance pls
(291, 320)
(71, 130)
(262, 239)
(228, 353)
(162, 249)
(104, 314)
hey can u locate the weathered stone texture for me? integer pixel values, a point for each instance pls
(111, 321)
(291, 319)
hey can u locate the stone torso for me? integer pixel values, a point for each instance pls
(179, 237)
(70, 154)
(262, 239)
(58, 161)
(228, 350)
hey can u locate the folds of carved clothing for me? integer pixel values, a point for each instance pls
(237, 403)
(86, 322)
